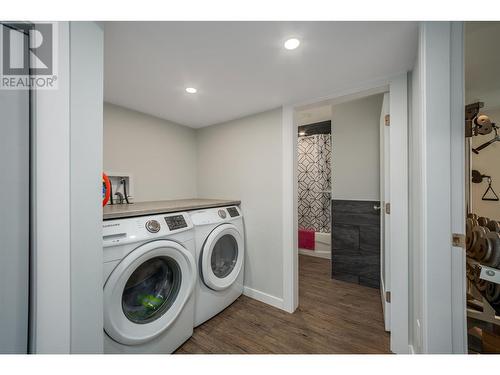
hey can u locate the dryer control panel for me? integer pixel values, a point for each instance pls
(215, 215)
(176, 222)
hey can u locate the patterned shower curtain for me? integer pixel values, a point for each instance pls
(314, 163)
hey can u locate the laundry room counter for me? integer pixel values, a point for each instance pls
(162, 207)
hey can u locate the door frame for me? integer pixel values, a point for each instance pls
(385, 240)
(66, 214)
(458, 209)
(397, 85)
(441, 63)
(50, 329)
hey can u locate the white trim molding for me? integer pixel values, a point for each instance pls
(442, 111)
(51, 263)
(290, 215)
(264, 297)
(459, 313)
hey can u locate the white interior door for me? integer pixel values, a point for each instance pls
(15, 203)
(396, 260)
(385, 240)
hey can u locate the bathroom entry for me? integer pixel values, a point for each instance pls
(343, 184)
(369, 159)
(314, 150)
(339, 187)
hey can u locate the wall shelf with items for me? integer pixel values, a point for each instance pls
(483, 284)
(478, 306)
(483, 323)
(485, 273)
(483, 293)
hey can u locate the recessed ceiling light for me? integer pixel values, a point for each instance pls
(191, 90)
(292, 43)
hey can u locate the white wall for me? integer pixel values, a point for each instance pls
(486, 162)
(355, 149)
(160, 155)
(241, 159)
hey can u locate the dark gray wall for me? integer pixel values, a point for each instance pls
(356, 242)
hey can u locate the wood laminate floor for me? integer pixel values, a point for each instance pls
(333, 317)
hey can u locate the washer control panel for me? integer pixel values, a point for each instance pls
(233, 211)
(153, 226)
(222, 213)
(135, 229)
(175, 222)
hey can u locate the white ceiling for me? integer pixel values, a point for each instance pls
(241, 68)
(482, 63)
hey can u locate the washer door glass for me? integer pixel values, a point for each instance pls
(224, 256)
(151, 290)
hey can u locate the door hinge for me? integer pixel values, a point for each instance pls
(387, 120)
(387, 208)
(458, 240)
(388, 297)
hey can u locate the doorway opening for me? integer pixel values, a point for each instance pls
(340, 224)
(482, 186)
(394, 297)
(314, 155)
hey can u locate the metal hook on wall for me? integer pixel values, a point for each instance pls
(477, 178)
(496, 138)
(490, 189)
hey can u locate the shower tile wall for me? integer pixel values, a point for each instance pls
(314, 178)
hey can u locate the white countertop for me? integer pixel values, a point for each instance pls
(117, 211)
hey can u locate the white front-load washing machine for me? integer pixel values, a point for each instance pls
(220, 253)
(149, 280)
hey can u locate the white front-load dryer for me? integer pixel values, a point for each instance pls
(149, 280)
(220, 254)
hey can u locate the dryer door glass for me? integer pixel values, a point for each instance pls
(151, 290)
(224, 256)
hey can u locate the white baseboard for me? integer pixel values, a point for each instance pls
(314, 253)
(263, 297)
